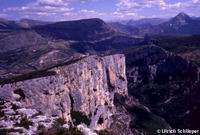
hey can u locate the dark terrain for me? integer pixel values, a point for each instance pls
(162, 60)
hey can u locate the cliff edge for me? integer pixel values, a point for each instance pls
(85, 88)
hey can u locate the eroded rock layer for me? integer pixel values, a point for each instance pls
(87, 86)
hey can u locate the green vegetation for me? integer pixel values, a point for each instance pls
(147, 122)
(185, 46)
(79, 118)
(15, 107)
(58, 129)
(193, 55)
(103, 132)
(2, 114)
(8, 131)
(25, 122)
(59, 122)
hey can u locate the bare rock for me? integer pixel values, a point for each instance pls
(87, 86)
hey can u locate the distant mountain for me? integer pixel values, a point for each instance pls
(146, 21)
(7, 25)
(88, 35)
(27, 23)
(125, 28)
(39, 46)
(181, 24)
(159, 79)
(81, 30)
(16, 25)
(134, 27)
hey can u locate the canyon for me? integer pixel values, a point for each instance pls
(88, 77)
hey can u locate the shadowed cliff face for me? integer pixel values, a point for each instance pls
(91, 90)
(46, 69)
(167, 84)
(87, 86)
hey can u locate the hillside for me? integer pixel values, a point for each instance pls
(91, 77)
(29, 49)
(181, 24)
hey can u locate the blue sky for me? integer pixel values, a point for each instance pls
(58, 10)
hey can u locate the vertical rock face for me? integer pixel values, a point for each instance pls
(167, 84)
(87, 86)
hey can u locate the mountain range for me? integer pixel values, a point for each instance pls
(182, 24)
(40, 45)
(126, 78)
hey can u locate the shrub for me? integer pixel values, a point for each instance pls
(74, 131)
(8, 131)
(25, 122)
(79, 118)
(103, 132)
(57, 129)
(2, 114)
(59, 122)
(15, 107)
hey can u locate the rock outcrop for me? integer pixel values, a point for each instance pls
(14, 119)
(91, 94)
(83, 89)
(166, 83)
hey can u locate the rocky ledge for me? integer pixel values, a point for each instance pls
(80, 92)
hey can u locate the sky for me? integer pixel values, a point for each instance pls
(60, 10)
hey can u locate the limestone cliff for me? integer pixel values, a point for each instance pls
(87, 86)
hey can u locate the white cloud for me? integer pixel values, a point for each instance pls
(124, 15)
(42, 7)
(54, 9)
(195, 1)
(149, 6)
(77, 9)
(50, 1)
(162, 4)
(87, 11)
(131, 14)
